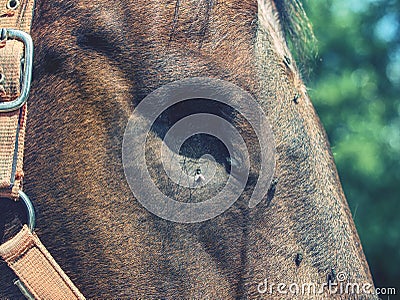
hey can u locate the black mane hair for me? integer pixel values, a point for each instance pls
(298, 32)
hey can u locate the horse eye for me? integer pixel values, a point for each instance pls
(234, 162)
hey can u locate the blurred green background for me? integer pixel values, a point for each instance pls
(355, 87)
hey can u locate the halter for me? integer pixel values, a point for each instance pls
(39, 276)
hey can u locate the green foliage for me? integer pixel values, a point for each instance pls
(355, 86)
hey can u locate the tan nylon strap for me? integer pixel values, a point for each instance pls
(35, 267)
(12, 124)
(37, 271)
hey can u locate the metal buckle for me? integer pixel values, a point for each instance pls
(12, 34)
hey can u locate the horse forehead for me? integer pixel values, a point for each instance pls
(162, 14)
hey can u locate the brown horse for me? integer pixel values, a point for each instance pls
(94, 62)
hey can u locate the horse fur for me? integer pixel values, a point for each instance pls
(94, 62)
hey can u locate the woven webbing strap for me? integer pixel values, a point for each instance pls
(15, 15)
(35, 267)
(40, 277)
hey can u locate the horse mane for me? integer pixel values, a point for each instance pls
(297, 30)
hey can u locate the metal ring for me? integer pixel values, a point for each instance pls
(29, 210)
